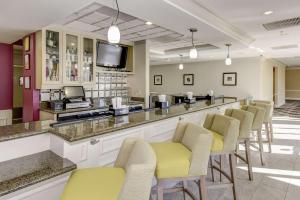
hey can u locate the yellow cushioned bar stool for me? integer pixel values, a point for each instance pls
(259, 114)
(183, 159)
(246, 120)
(130, 178)
(268, 117)
(225, 132)
(268, 111)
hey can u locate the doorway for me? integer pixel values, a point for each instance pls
(275, 85)
(18, 67)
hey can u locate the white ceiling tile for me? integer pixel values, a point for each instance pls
(80, 26)
(130, 24)
(136, 29)
(151, 36)
(93, 18)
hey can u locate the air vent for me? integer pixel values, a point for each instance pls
(201, 47)
(292, 46)
(282, 24)
(168, 38)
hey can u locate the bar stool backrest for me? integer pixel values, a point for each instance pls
(139, 161)
(268, 110)
(268, 115)
(199, 141)
(259, 114)
(246, 121)
(226, 126)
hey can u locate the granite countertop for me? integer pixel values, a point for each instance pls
(93, 127)
(89, 128)
(22, 172)
(21, 130)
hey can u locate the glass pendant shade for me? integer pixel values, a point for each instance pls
(193, 53)
(180, 67)
(228, 61)
(113, 34)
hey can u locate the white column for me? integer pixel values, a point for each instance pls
(139, 81)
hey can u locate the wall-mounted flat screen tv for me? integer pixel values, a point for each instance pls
(111, 55)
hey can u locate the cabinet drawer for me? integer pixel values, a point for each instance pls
(159, 128)
(114, 142)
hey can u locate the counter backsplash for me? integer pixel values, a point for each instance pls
(106, 85)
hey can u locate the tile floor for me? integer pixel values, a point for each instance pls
(279, 179)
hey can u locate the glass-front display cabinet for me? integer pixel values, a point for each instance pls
(71, 59)
(64, 58)
(48, 59)
(87, 63)
(53, 62)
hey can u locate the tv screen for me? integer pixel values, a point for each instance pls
(109, 55)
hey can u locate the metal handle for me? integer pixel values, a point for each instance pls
(94, 141)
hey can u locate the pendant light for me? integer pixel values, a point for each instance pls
(113, 34)
(193, 51)
(180, 66)
(228, 59)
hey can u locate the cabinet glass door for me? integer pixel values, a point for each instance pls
(52, 56)
(71, 58)
(87, 60)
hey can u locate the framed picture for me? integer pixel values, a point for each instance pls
(27, 61)
(27, 82)
(230, 79)
(188, 79)
(21, 80)
(26, 43)
(157, 79)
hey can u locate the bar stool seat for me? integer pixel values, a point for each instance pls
(182, 160)
(129, 179)
(93, 183)
(170, 164)
(218, 142)
(225, 132)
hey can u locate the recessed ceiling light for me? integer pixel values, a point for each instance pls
(148, 23)
(269, 12)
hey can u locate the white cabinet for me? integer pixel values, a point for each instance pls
(48, 59)
(71, 58)
(88, 60)
(64, 58)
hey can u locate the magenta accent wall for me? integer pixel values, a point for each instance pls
(6, 76)
(31, 97)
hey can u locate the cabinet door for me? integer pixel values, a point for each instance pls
(52, 61)
(88, 60)
(71, 52)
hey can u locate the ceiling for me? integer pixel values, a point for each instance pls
(249, 17)
(218, 22)
(97, 18)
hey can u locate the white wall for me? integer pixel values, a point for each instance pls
(266, 81)
(208, 75)
(139, 82)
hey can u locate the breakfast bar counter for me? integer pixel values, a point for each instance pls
(72, 132)
(39, 156)
(90, 128)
